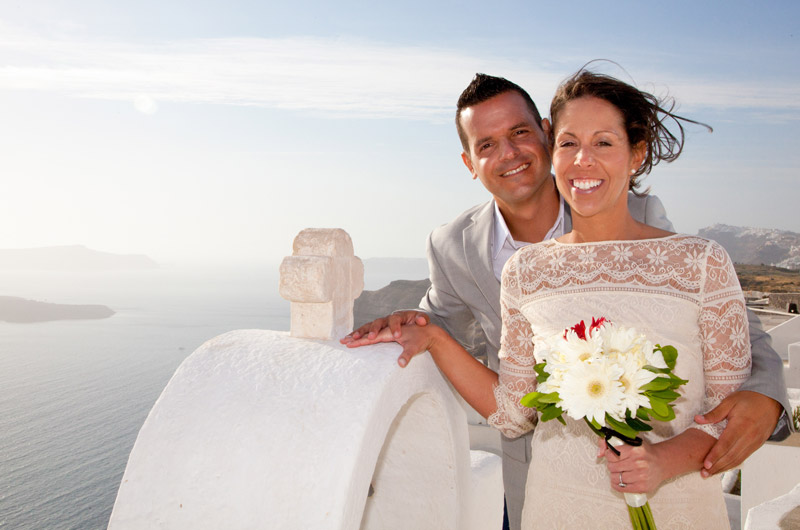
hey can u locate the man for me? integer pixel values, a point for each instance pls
(505, 147)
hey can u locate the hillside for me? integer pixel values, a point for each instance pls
(757, 246)
(768, 279)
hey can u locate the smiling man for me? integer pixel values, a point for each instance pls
(505, 146)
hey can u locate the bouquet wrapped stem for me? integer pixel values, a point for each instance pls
(638, 507)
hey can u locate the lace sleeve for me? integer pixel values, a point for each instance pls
(516, 377)
(723, 332)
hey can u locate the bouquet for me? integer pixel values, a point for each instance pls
(613, 378)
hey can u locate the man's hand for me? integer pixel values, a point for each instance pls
(369, 331)
(751, 419)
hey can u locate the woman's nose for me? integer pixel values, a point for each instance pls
(584, 158)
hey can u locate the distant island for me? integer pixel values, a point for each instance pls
(20, 310)
(70, 258)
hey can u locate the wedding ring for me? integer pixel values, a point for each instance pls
(621, 484)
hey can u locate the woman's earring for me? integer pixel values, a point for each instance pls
(633, 171)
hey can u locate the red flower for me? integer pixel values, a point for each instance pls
(580, 327)
(597, 324)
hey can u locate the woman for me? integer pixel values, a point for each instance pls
(676, 289)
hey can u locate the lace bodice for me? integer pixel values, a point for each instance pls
(679, 290)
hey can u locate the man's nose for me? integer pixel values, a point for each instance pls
(509, 150)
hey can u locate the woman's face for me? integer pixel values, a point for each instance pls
(592, 158)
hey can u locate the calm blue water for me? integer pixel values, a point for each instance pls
(73, 394)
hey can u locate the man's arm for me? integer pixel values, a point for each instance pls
(753, 410)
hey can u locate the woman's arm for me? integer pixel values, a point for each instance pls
(643, 468)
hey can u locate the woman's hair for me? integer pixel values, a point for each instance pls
(646, 117)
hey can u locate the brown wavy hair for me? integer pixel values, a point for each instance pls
(647, 118)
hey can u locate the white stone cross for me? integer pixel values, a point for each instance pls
(321, 279)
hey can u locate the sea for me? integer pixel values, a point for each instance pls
(74, 393)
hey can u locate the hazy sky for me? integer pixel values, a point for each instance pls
(215, 131)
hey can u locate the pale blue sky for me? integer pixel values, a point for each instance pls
(215, 131)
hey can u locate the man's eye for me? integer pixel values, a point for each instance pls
(521, 131)
(483, 147)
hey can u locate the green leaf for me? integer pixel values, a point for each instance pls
(668, 395)
(643, 413)
(541, 375)
(530, 400)
(551, 412)
(659, 383)
(653, 369)
(620, 427)
(669, 353)
(659, 406)
(677, 381)
(636, 424)
(552, 397)
(661, 410)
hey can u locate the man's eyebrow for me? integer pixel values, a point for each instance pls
(520, 125)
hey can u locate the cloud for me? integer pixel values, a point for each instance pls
(328, 76)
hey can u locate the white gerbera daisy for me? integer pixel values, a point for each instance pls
(632, 379)
(593, 389)
(571, 349)
(621, 342)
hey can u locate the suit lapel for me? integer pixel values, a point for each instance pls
(478, 254)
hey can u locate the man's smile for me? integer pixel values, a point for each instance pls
(519, 169)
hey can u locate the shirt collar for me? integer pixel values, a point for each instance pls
(502, 235)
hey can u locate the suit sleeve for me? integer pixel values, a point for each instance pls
(767, 372)
(655, 214)
(442, 303)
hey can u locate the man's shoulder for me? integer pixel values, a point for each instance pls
(454, 228)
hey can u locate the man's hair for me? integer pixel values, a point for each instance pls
(482, 88)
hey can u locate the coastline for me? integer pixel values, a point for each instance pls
(20, 310)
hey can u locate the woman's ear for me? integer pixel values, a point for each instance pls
(639, 153)
(548, 129)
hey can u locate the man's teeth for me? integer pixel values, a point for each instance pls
(520, 169)
(586, 184)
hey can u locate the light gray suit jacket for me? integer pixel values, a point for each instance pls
(464, 298)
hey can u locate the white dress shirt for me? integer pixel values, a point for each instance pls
(504, 246)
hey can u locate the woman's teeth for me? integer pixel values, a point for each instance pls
(586, 184)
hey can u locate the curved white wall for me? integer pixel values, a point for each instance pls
(260, 430)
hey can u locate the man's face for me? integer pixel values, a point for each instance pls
(507, 149)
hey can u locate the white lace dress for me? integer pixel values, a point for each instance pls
(679, 290)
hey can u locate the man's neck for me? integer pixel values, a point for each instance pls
(530, 221)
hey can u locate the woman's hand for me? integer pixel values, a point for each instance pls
(414, 339)
(641, 468)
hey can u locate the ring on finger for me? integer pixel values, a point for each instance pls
(621, 483)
